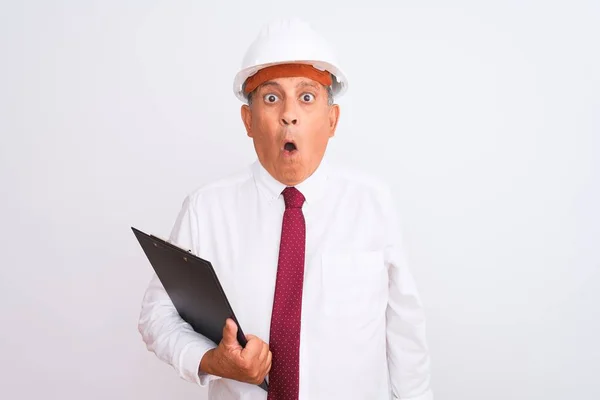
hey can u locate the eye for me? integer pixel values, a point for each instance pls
(308, 97)
(270, 98)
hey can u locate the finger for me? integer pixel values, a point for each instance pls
(269, 362)
(229, 333)
(253, 347)
(263, 353)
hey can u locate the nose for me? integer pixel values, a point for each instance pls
(288, 121)
(289, 116)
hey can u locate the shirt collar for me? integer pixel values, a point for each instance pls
(312, 187)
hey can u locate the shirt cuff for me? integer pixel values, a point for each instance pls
(428, 395)
(190, 364)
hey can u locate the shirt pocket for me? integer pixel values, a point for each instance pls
(355, 284)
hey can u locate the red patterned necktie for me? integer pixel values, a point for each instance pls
(284, 339)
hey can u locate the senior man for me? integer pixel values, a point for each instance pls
(309, 254)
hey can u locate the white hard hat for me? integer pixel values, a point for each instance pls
(286, 41)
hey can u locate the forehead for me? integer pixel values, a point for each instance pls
(291, 83)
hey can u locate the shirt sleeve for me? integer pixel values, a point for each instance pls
(164, 332)
(408, 353)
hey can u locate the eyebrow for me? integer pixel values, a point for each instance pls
(299, 85)
(270, 83)
(305, 83)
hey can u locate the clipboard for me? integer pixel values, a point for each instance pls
(193, 287)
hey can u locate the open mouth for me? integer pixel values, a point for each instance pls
(290, 147)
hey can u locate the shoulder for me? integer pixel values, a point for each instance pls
(367, 189)
(220, 188)
(358, 179)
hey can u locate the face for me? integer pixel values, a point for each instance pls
(290, 123)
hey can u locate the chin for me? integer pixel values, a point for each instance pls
(292, 173)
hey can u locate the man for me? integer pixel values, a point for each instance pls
(308, 254)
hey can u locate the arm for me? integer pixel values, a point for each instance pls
(195, 357)
(408, 353)
(163, 331)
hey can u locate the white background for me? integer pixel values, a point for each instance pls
(483, 116)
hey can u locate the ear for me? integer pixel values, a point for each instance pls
(247, 118)
(334, 117)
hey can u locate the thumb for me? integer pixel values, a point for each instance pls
(230, 333)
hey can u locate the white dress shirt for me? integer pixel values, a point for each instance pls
(363, 327)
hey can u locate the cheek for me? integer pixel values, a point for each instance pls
(265, 128)
(319, 128)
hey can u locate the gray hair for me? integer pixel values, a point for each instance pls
(330, 99)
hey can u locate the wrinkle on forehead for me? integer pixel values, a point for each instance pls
(306, 82)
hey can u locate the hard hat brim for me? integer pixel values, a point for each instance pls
(339, 83)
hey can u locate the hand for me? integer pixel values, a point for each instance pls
(230, 360)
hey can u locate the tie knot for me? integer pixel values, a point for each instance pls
(293, 198)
